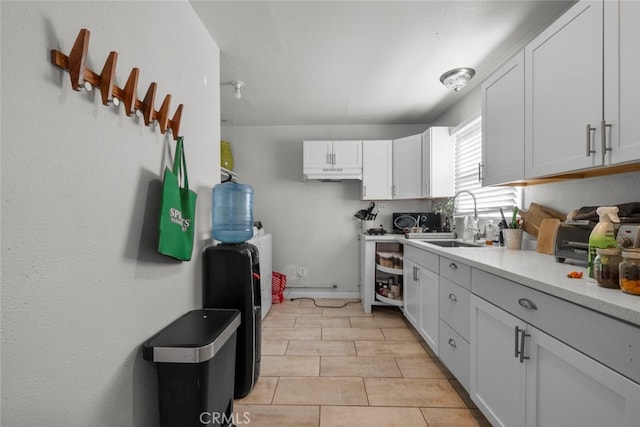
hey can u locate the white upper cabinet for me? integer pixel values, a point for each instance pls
(622, 86)
(407, 167)
(438, 150)
(377, 170)
(503, 124)
(332, 159)
(563, 93)
(581, 90)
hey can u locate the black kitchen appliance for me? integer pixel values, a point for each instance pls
(231, 280)
(430, 222)
(572, 241)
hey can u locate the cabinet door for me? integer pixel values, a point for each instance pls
(347, 154)
(407, 166)
(317, 154)
(438, 151)
(377, 176)
(497, 376)
(412, 292)
(503, 124)
(622, 87)
(567, 388)
(429, 317)
(563, 93)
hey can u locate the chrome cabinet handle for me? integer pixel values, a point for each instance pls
(453, 298)
(519, 341)
(452, 343)
(522, 344)
(604, 126)
(480, 167)
(589, 130)
(364, 191)
(415, 274)
(453, 266)
(528, 304)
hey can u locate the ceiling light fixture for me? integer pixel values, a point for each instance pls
(457, 78)
(237, 84)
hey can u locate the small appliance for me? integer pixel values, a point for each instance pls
(572, 241)
(628, 236)
(430, 222)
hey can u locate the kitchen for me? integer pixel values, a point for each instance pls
(91, 329)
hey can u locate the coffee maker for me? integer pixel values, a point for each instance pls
(231, 279)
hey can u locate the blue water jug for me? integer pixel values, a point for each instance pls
(232, 212)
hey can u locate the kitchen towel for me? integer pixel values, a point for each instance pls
(178, 210)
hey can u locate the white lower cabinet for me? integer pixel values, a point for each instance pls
(522, 376)
(421, 293)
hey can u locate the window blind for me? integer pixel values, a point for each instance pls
(468, 156)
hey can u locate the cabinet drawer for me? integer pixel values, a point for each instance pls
(456, 271)
(454, 306)
(454, 352)
(421, 257)
(612, 342)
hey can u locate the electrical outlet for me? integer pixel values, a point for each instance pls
(382, 206)
(302, 271)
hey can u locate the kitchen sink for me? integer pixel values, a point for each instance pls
(452, 244)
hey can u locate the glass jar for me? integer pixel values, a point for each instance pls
(630, 271)
(606, 267)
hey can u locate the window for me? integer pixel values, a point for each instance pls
(468, 156)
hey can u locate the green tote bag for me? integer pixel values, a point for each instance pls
(178, 214)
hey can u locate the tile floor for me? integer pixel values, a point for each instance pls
(330, 367)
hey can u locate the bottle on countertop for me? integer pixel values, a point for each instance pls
(490, 233)
(603, 234)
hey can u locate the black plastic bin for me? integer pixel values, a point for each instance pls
(195, 358)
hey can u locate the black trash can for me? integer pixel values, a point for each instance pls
(195, 358)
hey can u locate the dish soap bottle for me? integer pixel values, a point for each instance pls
(603, 234)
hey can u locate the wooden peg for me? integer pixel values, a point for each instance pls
(130, 90)
(163, 114)
(174, 123)
(107, 77)
(77, 59)
(148, 103)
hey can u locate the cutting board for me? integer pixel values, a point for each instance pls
(547, 235)
(535, 214)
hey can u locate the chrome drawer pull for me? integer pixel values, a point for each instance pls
(453, 266)
(452, 297)
(528, 304)
(452, 343)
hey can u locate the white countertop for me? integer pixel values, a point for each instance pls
(541, 272)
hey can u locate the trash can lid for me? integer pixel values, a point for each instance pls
(194, 337)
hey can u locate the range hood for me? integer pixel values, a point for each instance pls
(333, 174)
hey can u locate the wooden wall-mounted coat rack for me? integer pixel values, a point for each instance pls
(81, 77)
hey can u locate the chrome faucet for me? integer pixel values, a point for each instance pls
(475, 211)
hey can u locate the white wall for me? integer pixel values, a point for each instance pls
(312, 222)
(82, 284)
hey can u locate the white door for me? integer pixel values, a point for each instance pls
(411, 292)
(622, 86)
(347, 154)
(503, 124)
(407, 167)
(566, 388)
(429, 315)
(497, 375)
(317, 154)
(563, 93)
(377, 175)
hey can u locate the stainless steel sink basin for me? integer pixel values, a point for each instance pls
(452, 244)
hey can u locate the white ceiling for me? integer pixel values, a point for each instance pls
(360, 62)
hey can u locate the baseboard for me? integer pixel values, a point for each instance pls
(320, 294)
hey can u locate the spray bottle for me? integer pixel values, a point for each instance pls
(603, 234)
